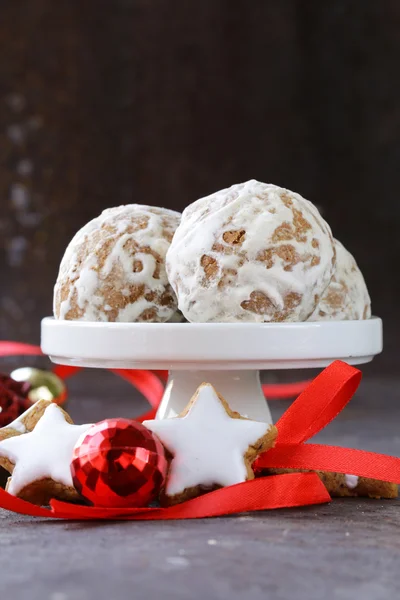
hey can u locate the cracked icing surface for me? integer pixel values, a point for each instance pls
(253, 252)
(347, 296)
(114, 267)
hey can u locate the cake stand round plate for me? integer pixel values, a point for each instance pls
(228, 355)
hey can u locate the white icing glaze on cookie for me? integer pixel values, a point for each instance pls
(253, 252)
(46, 452)
(18, 423)
(114, 267)
(207, 444)
(347, 296)
(351, 481)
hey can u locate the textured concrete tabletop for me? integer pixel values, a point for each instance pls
(348, 549)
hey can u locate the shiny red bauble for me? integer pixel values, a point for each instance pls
(13, 399)
(119, 463)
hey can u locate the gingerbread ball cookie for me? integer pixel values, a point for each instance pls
(177, 317)
(254, 252)
(114, 267)
(211, 446)
(346, 297)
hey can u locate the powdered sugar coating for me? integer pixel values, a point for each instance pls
(254, 252)
(346, 297)
(114, 267)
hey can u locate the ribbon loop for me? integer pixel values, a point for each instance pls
(319, 403)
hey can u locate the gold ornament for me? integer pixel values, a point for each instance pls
(45, 384)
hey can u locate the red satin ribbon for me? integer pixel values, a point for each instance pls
(19, 349)
(316, 406)
(278, 491)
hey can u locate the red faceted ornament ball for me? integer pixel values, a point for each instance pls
(119, 463)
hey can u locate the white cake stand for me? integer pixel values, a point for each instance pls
(227, 355)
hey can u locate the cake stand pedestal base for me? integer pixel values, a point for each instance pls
(227, 355)
(242, 389)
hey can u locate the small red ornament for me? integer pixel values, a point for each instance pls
(13, 399)
(119, 463)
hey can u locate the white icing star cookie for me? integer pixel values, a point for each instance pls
(40, 459)
(24, 423)
(211, 445)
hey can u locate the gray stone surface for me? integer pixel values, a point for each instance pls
(348, 549)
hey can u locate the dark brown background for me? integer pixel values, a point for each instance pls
(154, 101)
(160, 101)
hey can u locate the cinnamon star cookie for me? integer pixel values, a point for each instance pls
(211, 445)
(37, 450)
